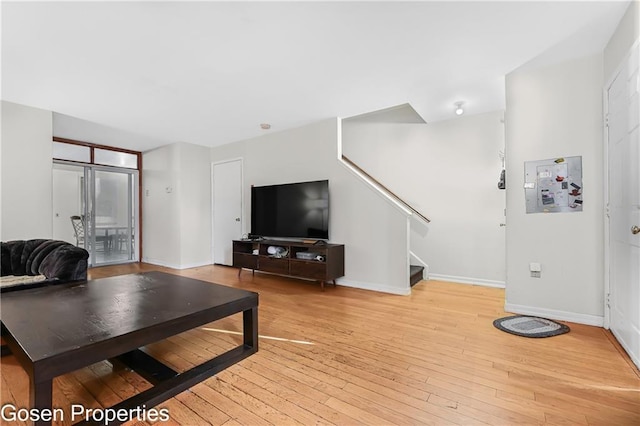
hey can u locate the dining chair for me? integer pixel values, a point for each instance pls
(78, 228)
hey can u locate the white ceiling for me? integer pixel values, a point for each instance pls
(210, 72)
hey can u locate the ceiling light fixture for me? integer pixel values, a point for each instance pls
(459, 110)
(265, 126)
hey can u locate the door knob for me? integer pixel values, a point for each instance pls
(237, 219)
(635, 229)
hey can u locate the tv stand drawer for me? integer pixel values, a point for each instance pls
(244, 260)
(313, 270)
(273, 264)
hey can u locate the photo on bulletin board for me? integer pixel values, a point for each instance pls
(553, 185)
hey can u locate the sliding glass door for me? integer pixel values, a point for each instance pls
(100, 208)
(111, 212)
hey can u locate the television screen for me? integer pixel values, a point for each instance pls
(294, 210)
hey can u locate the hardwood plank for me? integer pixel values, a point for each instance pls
(286, 378)
(9, 398)
(200, 405)
(468, 411)
(73, 393)
(255, 405)
(427, 414)
(362, 415)
(183, 414)
(287, 408)
(96, 387)
(301, 395)
(104, 372)
(227, 405)
(549, 412)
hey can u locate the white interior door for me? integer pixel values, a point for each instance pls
(624, 206)
(67, 181)
(227, 209)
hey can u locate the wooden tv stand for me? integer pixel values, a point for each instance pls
(328, 269)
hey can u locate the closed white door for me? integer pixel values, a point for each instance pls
(67, 181)
(227, 209)
(624, 206)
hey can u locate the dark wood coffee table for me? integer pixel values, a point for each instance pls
(59, 329)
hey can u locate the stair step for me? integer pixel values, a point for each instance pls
(415, 272)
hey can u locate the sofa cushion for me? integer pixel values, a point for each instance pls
(66, 262)
(17, 267)
(41, 252)
(30, 248)
(5, 253)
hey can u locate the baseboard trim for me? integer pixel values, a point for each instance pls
(467, 280)
(586, 319)
(173, 266)
(196, 265)
(374, 287)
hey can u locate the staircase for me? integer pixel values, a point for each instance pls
(415, 273)
(400, 114)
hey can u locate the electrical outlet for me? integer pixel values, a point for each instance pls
(535, 274)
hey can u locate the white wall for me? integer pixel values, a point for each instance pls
(627, 32)
(176, 204)
(25, 154)
(374, 232)
(194, 191)
(160, 207)
(556, 111)
(449, 172)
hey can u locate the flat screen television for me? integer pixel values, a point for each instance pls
(293, 210)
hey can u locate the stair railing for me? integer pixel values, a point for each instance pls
(373, 181)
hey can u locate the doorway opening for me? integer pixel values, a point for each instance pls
(96, 206)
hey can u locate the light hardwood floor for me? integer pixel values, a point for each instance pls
(350, 356)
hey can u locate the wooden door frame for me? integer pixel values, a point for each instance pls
(242, 221)
(138, 155)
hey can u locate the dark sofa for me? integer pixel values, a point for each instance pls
(58, 261)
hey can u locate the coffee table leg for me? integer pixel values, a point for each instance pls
(40, 397)
(250, 327)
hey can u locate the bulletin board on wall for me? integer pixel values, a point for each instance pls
(554, 185)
